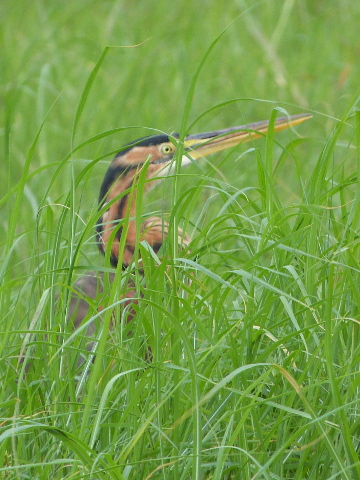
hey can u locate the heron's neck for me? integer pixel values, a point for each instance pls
(123, 207)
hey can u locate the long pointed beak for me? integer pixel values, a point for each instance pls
(203, 144)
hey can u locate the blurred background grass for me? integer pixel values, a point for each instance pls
(299, 55)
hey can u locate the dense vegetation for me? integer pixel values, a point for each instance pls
(254, 332)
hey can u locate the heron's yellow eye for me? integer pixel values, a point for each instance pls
(167, 148)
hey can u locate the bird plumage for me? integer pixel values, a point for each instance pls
(118, 196)
(157, 153)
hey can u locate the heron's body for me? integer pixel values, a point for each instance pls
(119, 192)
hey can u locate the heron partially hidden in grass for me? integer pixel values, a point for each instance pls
(118, 192)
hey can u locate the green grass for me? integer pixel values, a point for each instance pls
(255, 331)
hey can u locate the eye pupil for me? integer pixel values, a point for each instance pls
(166, 149)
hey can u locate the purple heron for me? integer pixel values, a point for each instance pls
(118, 192)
